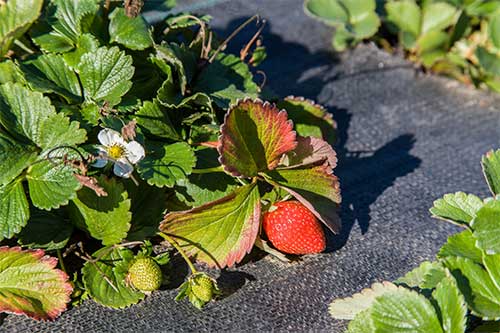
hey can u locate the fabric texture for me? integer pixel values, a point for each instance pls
(405, 139)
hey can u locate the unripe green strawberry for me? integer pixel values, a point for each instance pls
(145, 274)
(202, 286)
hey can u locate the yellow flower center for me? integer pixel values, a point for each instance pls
(116, 151)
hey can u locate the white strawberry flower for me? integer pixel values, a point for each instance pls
(122, 153)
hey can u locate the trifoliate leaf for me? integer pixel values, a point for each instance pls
(315, 187)
(405, 15)
(227, 80)
(347, 308)
(30, 284)
(46, 230)
(106, 74)
(462, 244)
(15, 18)
(51, 185)
(423, 276)
(105, 280)
(404, 311)
(459, 208)
(105, 218)
(437, 16)
(164, 165)
(219, 233)
(491, 170)
(486, 226)
(14, 209)
(15, 158)
(452, 306)
(481, 294)
(254, 137)
(131, 32)
(51, 69)
(309, 118)
(154, 120)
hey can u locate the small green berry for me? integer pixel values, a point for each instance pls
(145, 275)
(202, 286)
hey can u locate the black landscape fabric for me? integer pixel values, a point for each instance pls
(405, 139)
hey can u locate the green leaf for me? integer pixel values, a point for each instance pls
(309, 118)
(362, 323)
(133, 33)
(53, 68)
(105, 279)
(405, 15)
(154, 120)
(181, 60)
(71, 15)
(106, 74)
(226, 80)
(50, 185)
(494, 29)
(14, 209)
(46, 230)
(16, 16)
(219, 233)
(437, 16)
(367, 26)
(148, 207)
(310, 150)
(358, 10)
(421, 276)
(30, 284)
(15, 158)
(403, 310)
(481, 294)
(29, 115)
(463, 245)
(451, 305)
(491, 170)
(347, 308)
(254, 137)
(164, 165)
(492, 265)
(459, 208)
(105, 218)
(341, 39)
(10, 72)
(86, 43)
(486, 226)
(328, 11)
(315, 187)
(490, 62)
(430, 46)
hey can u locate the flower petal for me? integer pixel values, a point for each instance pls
(100, 163)
(123, 169)
(109, 137)
(135, 151)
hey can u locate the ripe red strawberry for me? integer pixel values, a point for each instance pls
(292, 228)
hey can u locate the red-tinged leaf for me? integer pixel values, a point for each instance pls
(310, 118)
(221, 232)
(311, 150)
(315, 187)
(255, 135)
(30, 285)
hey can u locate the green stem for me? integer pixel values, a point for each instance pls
(180, 250)
(61, 262)
(209, 170)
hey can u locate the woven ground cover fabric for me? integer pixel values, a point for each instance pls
(405, 139)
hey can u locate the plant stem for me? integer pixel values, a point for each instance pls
(180, 250)
(61, 262)
(209, 170)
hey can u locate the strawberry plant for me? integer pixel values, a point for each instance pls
(457, 38)
(118, 137)
(459, 291)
